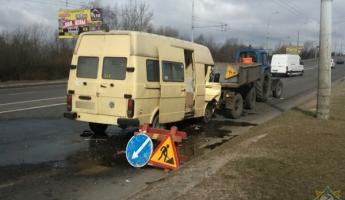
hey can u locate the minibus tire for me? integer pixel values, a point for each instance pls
(98, 129)
(208, 113)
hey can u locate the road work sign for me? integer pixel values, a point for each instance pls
(230, 72)
(165, 155)
(139, 150)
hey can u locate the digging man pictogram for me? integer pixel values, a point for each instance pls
(164, 152)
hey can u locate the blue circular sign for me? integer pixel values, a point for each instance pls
(139, 150)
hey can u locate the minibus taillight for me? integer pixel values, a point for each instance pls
(130, 108)
(69, 102)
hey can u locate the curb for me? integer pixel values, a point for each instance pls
(30, 84)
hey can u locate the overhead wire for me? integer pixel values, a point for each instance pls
(50, 3)
(294, 10)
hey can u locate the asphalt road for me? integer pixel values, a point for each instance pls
(43, 157)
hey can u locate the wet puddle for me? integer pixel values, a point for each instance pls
(106, 156)
(201, 139)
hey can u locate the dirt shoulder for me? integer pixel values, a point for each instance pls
(289, 157)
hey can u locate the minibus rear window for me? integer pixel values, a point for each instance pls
(87, 67)
(114, 68)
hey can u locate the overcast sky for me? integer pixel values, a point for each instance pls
(248, 20)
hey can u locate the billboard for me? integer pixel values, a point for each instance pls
(294, 50)
(74, 22)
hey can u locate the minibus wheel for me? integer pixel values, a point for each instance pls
(98, 129)
(208, 112)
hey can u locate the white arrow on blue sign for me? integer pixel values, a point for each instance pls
(139, 150)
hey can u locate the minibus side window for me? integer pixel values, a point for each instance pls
(87, 67)
(114, 68)
(152, 70)
(173, 72)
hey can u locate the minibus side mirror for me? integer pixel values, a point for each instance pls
(216, 77)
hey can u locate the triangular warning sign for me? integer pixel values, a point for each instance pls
(230, 72)
(165, 155)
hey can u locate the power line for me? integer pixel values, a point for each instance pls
(293, 9)
(79, 3)
(48, 3)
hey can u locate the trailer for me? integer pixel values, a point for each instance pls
(240, 85)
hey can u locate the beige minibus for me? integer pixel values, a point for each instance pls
(128, 78)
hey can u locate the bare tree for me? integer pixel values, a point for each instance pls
(227, 51)
(111, 17)
(33, 53)
(209, 42)
(280, 49)
(93, 4)
(308, 50)
(167, 31)
(136, 16)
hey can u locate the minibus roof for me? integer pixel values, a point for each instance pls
(147, 44)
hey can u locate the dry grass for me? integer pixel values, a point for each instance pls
(298, 155)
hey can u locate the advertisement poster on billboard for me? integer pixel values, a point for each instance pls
(74, 22)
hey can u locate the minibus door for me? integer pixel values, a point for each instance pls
(173, 88)
(113, 93)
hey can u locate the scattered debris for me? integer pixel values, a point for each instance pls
(86, 133)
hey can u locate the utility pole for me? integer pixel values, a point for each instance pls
(324, 83)
(298, 39)
(268, 33)
(222, 26)
(192, 39)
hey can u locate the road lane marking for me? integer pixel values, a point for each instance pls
(32, 108)
(6, 185)
(310, 68)
(18, 93)
(29, 101)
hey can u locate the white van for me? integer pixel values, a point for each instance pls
(128, 78)
(286, 64)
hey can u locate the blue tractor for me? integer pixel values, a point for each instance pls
(264, 84)
(246, 81)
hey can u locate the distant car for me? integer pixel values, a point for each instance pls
(340, 61)
(287, 65)
(332, 63)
